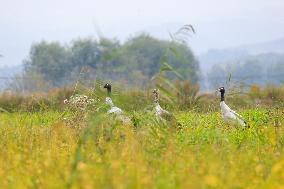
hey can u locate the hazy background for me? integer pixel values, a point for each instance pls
(237, 28)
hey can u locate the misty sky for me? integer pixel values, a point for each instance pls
(219, 23)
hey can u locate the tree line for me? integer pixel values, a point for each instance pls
(134, 62)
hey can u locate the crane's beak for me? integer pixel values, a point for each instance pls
(216, 91)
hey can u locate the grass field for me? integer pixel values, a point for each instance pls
(38, 150)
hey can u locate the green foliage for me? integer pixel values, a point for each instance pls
(135, 62)
(85, 52)
(41, 150)
(50, 60)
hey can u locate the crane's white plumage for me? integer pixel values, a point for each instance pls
(160, 112)
(163, 114)
(117, 112)
(113, 109)
(228, 114)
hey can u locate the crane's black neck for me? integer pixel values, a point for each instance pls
(109, 92)
(222, 96)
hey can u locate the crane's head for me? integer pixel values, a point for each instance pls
(221, 89)
(155, 91)
(108, 87)
(156, 95)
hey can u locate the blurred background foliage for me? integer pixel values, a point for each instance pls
(54, 72)
(134, 62)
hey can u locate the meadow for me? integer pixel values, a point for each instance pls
(57, 148)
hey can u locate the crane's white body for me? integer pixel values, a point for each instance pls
(117, 112)
(113, 109)
(162, 114)
(230, 115)
(160, 111)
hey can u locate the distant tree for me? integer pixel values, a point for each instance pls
(109, 52)
(145, 53)
(85, 52)
(250, 72)
(217, 76)
(136, 61)
(51, 60)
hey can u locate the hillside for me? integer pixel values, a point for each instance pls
(260, 63)
(240, 53)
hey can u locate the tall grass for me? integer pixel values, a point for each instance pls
(40, 151)
(182, 95)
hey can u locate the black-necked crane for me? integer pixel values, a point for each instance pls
(113, 109)
(228, 114)
(163, 114)
(119, 114)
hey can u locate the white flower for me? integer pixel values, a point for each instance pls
(80, 102)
